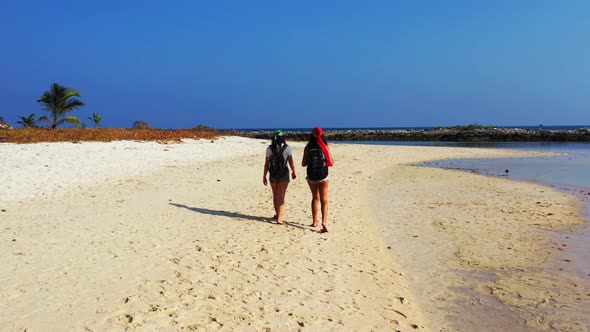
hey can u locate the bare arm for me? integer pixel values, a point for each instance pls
(264, 180)
(304, 160)
(292, 164)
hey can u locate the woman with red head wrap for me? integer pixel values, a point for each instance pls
(317, 159)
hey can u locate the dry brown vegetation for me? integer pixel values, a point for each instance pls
(35, 135)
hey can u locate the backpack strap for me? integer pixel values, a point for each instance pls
(280, 152)
(282, 149)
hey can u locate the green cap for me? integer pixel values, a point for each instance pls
(279, 132)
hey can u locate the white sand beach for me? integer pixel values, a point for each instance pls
(143, 236)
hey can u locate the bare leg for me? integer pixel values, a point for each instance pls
(315, 200)
(323, 193)
(279, 200)
(275, 189)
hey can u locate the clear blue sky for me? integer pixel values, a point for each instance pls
(280, 64)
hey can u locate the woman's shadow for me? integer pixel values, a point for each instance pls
(234, 215)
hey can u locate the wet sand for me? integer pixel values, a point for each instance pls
(489, 254)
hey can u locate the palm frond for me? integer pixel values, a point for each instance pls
(69, 92)
(71, 119)
(28, 121)
(47, 101)
(44, 119)
(71, 105)
(57, 89)
(95, 119)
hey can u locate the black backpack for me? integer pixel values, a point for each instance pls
(277, 165)
(317, 168)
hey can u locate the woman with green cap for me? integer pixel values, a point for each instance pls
(278, 154)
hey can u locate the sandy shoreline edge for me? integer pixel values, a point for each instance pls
(178, 237)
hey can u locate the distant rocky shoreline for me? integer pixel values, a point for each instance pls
(439, 134)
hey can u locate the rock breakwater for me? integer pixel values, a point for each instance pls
(439, 134)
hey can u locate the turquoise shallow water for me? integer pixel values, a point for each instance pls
(571, 169)
(569, 172)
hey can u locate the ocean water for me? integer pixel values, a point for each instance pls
(569, 170)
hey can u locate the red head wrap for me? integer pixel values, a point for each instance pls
(317, 132)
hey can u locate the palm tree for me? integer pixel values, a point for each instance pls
(95, 119)
(57, 102)
(28, 121)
